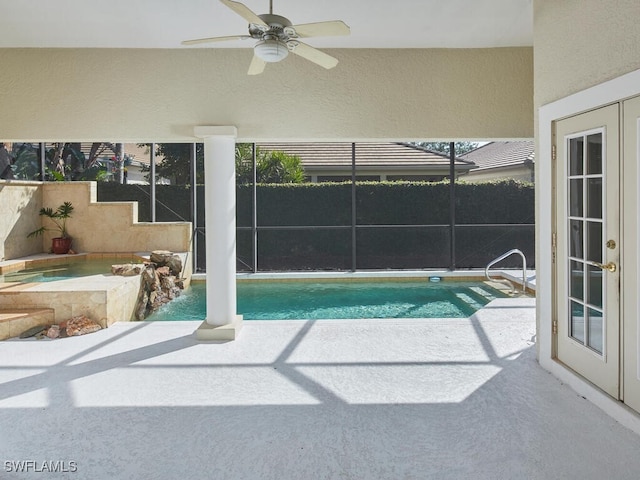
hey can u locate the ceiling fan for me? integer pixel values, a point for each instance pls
(277, 37)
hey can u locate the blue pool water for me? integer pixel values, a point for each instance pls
(340, 300)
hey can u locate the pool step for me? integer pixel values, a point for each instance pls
(475, 297)
(15, 321)
(469, 300)
(483, 293)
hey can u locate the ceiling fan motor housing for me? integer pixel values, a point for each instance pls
(276, 26)
(271, 19)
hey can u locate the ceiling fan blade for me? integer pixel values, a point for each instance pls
(313, 54)
(215, 39)
(245, 12)
(257, 66)
(322, 29)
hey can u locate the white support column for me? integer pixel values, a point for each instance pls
(221, 323)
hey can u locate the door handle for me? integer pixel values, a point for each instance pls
(611, 267)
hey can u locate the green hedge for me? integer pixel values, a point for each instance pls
(377, 203)
(495, 202)
(304, 204)
(409, 203)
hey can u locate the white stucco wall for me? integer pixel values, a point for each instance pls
(581, 43)
(135, 95)
(578, 44)
(585, 57)
(20, 203)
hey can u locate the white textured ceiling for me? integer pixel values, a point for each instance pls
(165, 23)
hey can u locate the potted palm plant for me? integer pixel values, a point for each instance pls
(62, 243)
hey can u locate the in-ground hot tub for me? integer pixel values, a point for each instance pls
(70, 286)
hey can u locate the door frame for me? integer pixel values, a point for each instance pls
(613, 91)
(630, 341)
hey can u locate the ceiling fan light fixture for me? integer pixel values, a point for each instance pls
(271, 50)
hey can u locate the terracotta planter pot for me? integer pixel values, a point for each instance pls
(61, 245)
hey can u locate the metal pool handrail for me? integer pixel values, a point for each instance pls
(504, 280)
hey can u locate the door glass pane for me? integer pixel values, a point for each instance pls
(577, 276)
(575, 198)
(576, 156)
(594, 198)
(595, 329)
(576, 329)
(594, 281)
(575, 239)
(594, 154)
(585, 208)
(594, 241)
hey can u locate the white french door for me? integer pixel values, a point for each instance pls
(588, 246)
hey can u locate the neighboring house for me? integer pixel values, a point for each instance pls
(136, 173)
(331, 162)
(502, 161)
(137, 165)
(136, 160)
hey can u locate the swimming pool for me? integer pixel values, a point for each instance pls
(268, 300)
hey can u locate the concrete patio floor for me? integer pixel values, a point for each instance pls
(374, 399)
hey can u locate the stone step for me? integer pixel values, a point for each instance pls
(15, 321)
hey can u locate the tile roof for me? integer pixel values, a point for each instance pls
(501, 154)
(333, 155)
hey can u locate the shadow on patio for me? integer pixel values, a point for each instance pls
(318, 399)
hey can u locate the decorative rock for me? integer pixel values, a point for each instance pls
(160, 256)
(149, 280)
(166, 258)
(161, 299)
(33, 331)
(141, 306)
(163, 271)
(168, 283)
(127, 269)
(53, 331)
(81, 325)
(175, 265)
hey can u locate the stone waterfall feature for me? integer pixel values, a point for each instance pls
(160, 281)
